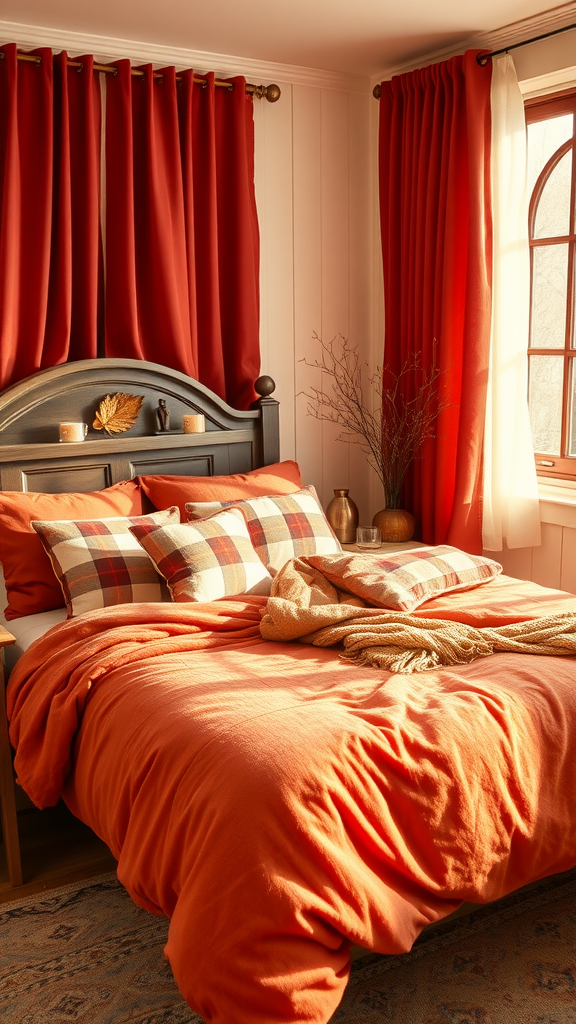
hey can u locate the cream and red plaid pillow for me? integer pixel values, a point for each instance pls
(99, 563)
(281, 526)
(403, 580)
(206, 560)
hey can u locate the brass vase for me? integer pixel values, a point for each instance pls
(396, 525)
(342, 515)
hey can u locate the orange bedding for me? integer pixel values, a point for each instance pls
(279, 803)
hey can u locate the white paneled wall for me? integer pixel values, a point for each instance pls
(315, 196)
(553, 564)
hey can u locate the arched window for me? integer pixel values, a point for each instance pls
(551, 128)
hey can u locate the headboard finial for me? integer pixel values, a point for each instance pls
(264, 386)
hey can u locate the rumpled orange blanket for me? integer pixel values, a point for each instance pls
(278, 803)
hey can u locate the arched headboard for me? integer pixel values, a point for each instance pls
(33, 459)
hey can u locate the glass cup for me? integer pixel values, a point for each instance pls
(368, 538)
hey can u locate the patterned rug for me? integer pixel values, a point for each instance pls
(85, 954)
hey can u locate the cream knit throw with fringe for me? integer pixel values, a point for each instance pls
(304, 606)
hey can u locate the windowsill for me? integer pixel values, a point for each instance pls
(557, 502)
(561, 490)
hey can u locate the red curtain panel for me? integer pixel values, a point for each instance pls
(182, 244)
(434, 165)
(49, 214)
(176, 281)
(87, 299)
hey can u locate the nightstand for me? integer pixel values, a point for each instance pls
(7, 796)
(384, 549)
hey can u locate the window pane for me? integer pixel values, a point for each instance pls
(545, 398)
(544, 138)
(553, 210)
(549, 293)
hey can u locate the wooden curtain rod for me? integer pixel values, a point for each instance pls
(270, 92)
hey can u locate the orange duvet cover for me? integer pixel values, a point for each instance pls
(278, 803)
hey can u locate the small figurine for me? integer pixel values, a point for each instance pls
(163, 415)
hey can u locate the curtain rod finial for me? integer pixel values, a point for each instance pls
(269, 92)
(377, 91)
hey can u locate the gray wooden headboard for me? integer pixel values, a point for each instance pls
(33, 459)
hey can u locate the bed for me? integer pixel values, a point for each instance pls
(275, 800)
(32, 459)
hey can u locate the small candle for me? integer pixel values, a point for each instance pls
(194, 423)
(72, 432)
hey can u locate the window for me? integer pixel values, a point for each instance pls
(551, 131)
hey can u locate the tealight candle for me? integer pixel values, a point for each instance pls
(72, 432)
(194, 423)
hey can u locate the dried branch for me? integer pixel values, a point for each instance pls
(391, 433)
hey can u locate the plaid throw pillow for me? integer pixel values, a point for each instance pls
(403, 580)
(281, 526)
(206, 560)
(98, 562)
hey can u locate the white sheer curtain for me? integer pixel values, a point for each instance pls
(511, 513)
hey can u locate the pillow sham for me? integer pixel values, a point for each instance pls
(31, 585)
(279, 478)
(206, 560)
(403, 580)
(281, 527)
(99, 562)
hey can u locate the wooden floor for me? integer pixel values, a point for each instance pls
(57, 849)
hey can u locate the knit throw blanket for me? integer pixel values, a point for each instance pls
(304, 606)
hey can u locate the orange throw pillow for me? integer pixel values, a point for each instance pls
(30, 581)
(164, 491)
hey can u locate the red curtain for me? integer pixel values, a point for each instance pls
(179, 281)
(182, 244)
(434, 153)
(49, 213)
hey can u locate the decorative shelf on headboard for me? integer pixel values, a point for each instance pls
(32, 458)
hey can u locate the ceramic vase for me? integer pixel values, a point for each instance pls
(342, 515)
(395, 525)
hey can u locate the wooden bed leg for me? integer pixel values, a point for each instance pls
(7, 796)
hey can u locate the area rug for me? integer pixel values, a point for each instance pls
(85, 954)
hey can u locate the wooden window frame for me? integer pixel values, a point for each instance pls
(561, 466)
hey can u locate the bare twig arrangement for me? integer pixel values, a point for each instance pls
(392, 432)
